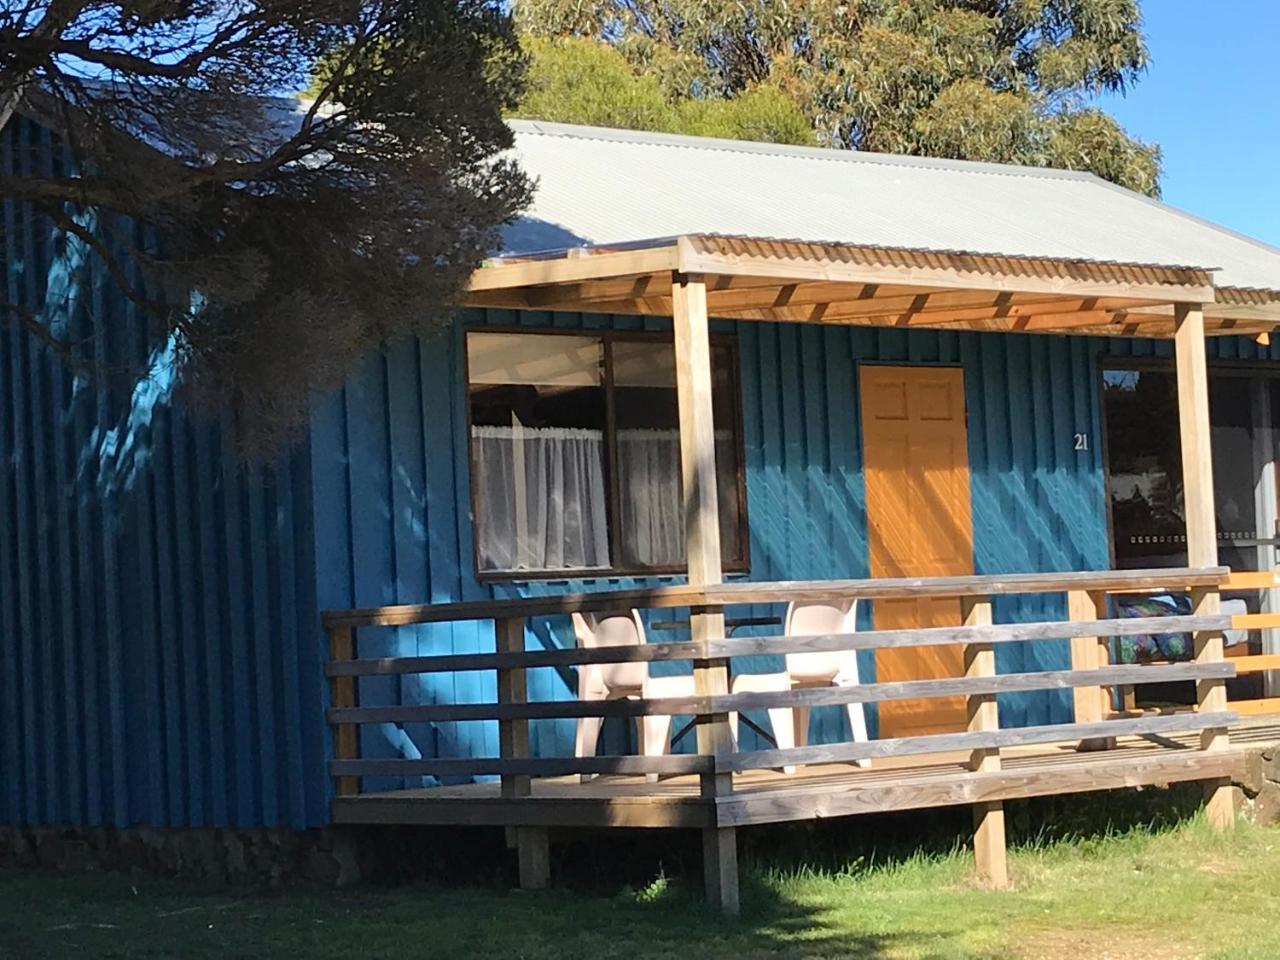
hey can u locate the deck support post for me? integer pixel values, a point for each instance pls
(702, 548)
(346, 736)
(531, 843)
(1202, 533)
(989, 850)
(1092, 704)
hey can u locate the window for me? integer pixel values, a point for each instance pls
(575, 453)
(1144, 463)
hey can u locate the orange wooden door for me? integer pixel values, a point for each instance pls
(919, 524)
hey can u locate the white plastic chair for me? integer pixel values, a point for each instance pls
(1233, 608)
(838, 668)
(617, 681)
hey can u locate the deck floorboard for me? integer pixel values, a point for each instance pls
(763, 796)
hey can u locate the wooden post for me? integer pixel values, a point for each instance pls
(531, 843)
(1089, 653)
(988, 817)
(1202, 532)
(702, 546)
(342, 691)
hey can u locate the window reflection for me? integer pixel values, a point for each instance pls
(1144, 475)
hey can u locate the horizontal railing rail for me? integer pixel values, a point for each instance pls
(982, 740)
(1112, 581)
(803, 697)
(1246, 664)
(775, 645)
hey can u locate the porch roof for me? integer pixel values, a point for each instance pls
(799, 281)
(834, 236)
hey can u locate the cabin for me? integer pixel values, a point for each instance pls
(1013, 428)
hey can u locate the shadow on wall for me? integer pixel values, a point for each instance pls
(154, 584)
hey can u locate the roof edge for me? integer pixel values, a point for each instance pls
(577, 131)
(798, 261)
(703, 239)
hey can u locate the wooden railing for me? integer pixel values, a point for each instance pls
(1238, 655)
(1088, 678)
(1247, 663)
(983, 741)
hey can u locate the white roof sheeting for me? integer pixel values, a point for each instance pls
(599, 186)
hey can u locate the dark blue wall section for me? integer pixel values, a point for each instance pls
(159, 660)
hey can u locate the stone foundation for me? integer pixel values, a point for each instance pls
(259, 857)
(1261, 785)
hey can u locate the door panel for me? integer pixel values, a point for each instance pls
(916, 470)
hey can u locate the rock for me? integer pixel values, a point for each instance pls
(346, 854)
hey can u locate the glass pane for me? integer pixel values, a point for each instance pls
(651, 510)
(538, 452)
(1235, 474)
(1144, 468)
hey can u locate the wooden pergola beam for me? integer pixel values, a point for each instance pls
(798, 282)
(500, 275)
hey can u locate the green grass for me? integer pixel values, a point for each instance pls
(1145, 894)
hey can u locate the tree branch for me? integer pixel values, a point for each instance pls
(107, 256)
(184, 69)
(29, 320)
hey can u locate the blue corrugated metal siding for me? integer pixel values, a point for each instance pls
(158, 656)
(392, 527)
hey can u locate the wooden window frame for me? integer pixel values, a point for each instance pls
(614, 492)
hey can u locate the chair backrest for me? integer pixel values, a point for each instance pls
(613, 630)
(812, 619)
(1231, 608)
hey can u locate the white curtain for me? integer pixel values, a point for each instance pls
(652, 506)
(542, 500)
(652, 500)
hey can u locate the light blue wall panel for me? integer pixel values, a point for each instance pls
(390, 475)
(159, 661)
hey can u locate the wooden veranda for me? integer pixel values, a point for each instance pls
(718, 789)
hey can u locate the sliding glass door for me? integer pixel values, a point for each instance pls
(1144, 475)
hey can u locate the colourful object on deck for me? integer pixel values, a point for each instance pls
(1150, 647)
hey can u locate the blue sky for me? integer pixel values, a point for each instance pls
(1211, 99)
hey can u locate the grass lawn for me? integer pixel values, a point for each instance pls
(1147, 894)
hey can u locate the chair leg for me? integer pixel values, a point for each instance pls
(655, 738)
(588, 737)
(857, 718)
(802, 726)
(857, 728)
(588, 733)
(783, 721)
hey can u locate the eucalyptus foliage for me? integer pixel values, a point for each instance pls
(1001, 80)
(577, 80)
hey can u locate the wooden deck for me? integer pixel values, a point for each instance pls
(766, 796)
(720, 788)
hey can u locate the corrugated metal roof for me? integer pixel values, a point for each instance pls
(603, 186)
